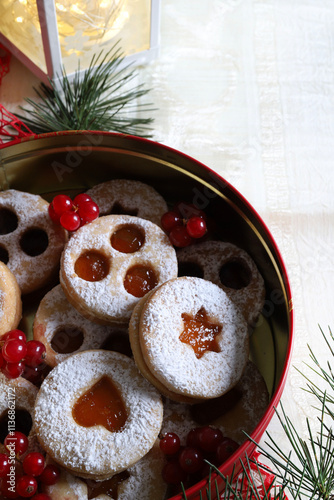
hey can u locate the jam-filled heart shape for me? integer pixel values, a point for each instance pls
(103, 405)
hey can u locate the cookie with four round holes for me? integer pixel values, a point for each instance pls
(10, 300)
(95, 415)
(229, 267)
(30, 243)
(193, 338)
(110, 263)
(64, 331)
(131, 197)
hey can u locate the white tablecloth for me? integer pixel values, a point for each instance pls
(247, 87)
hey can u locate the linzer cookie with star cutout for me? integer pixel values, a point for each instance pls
(191, 338)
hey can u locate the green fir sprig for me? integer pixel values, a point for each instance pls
(306, 472)
(103, 97)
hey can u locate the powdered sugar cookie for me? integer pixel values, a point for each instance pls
(193, 338)
(64, 331)
(30, 243)
(229, 267)
(17, 401)
(95, 415)
(10, 300)
(142, 480)
(110, 263)
(122, 196)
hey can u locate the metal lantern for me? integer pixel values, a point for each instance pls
(48, 35)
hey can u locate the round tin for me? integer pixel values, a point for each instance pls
(75, 161)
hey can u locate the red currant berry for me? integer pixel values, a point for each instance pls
(53, 216)
(209, 438)
(15, 334)
(191, 460)
(188, 210)
(180, 237)
(70, 221)
(12, 370)
(41, 496)
(225, 449)
(50, 475)
(170, 219)
(14, 350)
(35, 353)
(170, 443)
(172, 473)
(26, 486)
(4, 464)
(81, 198)
(192, 437)
(196, 227)
(88, 212)
(2, 361)
(17, 442)
(62, 203)
(33, 464)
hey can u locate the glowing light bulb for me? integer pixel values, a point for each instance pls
(61, 7)
(19, 19)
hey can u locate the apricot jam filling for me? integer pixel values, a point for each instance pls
(128, 239)
(235, 274)
(92, 266)
(139, 280)
(67, 339)
(103, 405)
(200, 333)
(109, 487)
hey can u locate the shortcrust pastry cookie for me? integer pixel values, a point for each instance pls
(129, 197)
(30, 243)
(10, 300)
(229, 267)
(193, 338)
(110, 263)
(141, 480)
(95, 415)
(64, 331)
(17, 401)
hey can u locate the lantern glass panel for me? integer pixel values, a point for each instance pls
(86, 27)
(20, 25)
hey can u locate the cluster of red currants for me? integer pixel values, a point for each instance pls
(187, 463)
(184, 224)
(22, 478)
(72, 214)
(16, 354)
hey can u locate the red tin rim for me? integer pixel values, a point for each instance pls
(264, 422)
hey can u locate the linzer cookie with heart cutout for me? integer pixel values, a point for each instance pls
(110, 263)
(30, 243)
(96, 416)
(193, 338)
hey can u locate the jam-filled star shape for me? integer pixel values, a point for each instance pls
(200, 333)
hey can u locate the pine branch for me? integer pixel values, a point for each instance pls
(100, 99)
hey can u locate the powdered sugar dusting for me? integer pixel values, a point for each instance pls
(31, 210)
(174, 363)
(211, 256)
(133, 196)
(56, 312)
(108, 299)
(95, 450)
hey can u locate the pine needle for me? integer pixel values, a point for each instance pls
(102, 98)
